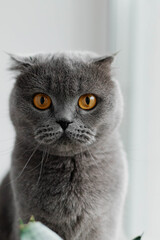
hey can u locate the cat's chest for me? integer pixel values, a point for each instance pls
(64, 180)
(68, 187)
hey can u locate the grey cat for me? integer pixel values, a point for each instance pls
(68, 165)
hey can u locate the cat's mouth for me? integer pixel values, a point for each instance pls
(64, 139)
(46, 135)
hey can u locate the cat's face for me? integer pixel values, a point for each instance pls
(64, 102)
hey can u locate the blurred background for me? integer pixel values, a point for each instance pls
(103, 26)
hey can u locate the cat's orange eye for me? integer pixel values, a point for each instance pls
(42, 101)
(87, 101)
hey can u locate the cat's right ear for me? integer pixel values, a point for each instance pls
(19, 63)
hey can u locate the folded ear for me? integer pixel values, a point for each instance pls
(19, 63)
(104, 61)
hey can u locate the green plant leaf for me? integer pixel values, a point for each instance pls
(138, 238)
(37, 231)
(32, 219)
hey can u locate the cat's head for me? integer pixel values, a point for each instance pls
(64, 102)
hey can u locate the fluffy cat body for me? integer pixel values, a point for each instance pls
(73, 180)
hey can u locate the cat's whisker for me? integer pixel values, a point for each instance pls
(47, 151)
(15, 179)
(41, 168)
(34, 168)
(92, 157)
(6, 151)
(20, 174)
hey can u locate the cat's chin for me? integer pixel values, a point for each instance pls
(63, 150)
(70, 148)
(68, 153)
(65, 147)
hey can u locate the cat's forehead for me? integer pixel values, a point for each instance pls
(70, 76)
(67, 75)
(64, 74)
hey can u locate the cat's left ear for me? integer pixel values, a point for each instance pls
(104, 62)
(19, 63)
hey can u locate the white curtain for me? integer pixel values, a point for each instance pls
(134, 29)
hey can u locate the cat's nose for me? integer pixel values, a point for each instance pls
(63, 123)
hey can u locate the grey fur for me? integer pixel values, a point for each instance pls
(75, 185)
